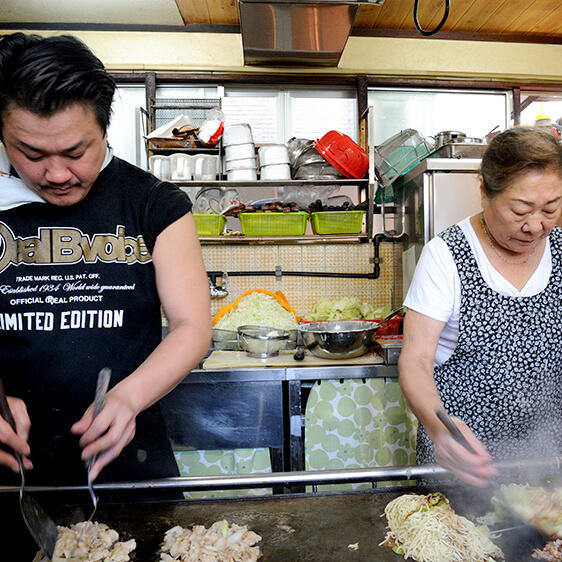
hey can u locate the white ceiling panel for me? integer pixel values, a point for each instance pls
(139, 12)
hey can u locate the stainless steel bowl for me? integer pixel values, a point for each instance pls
(262, 341)
(338, 339)
(225, 340)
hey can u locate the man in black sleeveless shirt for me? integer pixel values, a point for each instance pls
(91, 249)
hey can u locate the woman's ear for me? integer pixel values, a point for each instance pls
(483, 195)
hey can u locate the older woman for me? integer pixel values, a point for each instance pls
(483, 331)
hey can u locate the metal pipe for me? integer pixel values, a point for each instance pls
(313, 477)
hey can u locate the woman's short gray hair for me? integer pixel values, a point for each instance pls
(515, 152)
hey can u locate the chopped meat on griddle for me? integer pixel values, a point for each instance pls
(552, 552)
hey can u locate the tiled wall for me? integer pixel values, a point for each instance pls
(302, 292)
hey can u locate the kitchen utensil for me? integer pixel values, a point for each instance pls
(498, 490)
(299, 353)
(239, 151)
(237, 133)
(101, 388)
(40, 525)
(160, 166)
(242, 174)
(262, 341)
(240, 164)
(317, 171)
(338, 339)
(180, 166)
(398, 154)
(296, 147)
(342, 339)
(445, 137)
(204, 167)
(225, 340)
(275, 172)
(273, 154)
(344, 154)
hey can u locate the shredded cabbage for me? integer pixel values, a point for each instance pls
(258, 309)
(346, 308)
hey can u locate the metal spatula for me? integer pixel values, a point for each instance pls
(101, 389)
(499, 492)
(39, 524)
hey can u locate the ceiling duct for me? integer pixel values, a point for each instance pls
(296, 32)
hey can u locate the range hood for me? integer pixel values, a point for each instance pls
(296, 32)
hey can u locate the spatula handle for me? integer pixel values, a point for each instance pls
(5, 411)
(101, 389)
(454, 430)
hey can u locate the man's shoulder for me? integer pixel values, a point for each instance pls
(121, 169)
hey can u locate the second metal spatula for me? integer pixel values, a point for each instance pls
(101, 389)
(39, 524)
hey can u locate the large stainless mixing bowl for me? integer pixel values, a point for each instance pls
(338, 339)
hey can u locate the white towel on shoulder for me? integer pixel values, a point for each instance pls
(13, 192)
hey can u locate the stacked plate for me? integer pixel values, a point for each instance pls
(239, 153)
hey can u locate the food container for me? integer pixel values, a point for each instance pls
(445, 137)
(338, 339)
(273, 154)
(309, 156)
(225, 340)
(337, 222)
(389, 347)
(180, 166)
(160, 166)
(238, 133)
(344, 154)
(275, 172)
(296, 147)
(273, 224)
(204, 167)
(242, 174)
(240, 164)
(318, 171)
(209, 224)
(262, 341)
(238, 151)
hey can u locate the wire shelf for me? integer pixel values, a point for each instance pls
(163, 110)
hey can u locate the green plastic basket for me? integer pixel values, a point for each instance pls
(273, 224)
(337, 222)
(209, 225)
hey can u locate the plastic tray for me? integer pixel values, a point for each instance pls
(273, 224)
(209, 225)
(337, 222)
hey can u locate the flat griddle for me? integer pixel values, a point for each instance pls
(295, 527)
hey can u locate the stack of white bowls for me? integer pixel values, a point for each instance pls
(239, 153)
(274, 162)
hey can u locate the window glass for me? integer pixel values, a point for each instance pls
(314, 114)
(430, 112)
(541, 105)
(276, 115)
(125, 133)
(259, 111)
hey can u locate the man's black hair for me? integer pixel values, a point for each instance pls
(46, 74)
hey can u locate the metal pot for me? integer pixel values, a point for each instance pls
(446, 137)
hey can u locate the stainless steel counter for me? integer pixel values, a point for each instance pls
(291, 374)
(248, 408)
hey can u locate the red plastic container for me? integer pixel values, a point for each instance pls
(343, 154)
